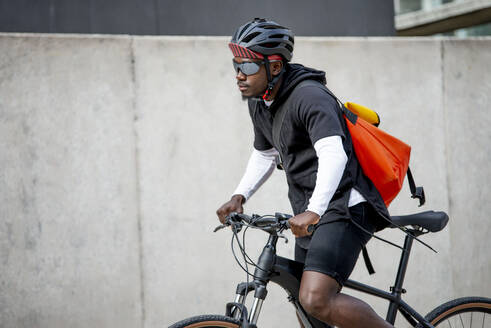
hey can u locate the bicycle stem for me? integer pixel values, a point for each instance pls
(266, 261)
(262, 275)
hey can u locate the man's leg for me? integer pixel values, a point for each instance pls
(319, 296)
(300, 254)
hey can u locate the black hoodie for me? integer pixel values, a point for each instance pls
(312, 114)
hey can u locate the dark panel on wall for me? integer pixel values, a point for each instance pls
(308, 17)
(197, 17)
(72, 16)
(24, 16)
(379, 17)
(124, 16)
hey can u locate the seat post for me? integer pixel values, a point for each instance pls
(397, 289)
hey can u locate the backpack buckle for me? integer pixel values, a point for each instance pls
(419, 194)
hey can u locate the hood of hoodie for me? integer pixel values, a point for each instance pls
(294, 74)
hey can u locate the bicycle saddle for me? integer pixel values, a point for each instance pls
(430, 220)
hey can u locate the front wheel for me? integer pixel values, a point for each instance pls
(207, 320)
(466, 312)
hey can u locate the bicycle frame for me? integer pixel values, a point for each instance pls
(287, 273)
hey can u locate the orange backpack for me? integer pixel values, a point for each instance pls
(383, 158)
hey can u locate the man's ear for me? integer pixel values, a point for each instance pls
(275, 67)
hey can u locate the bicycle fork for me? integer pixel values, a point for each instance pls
(238, 310)
(262, 275)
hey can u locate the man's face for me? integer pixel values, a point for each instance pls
(252, 85)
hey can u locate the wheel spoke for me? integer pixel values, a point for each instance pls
(462, 322)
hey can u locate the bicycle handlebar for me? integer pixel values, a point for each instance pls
(267, 223)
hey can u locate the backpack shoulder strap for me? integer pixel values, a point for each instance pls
(352, 117)
(320, 86)
(280, 114)
(278, 119)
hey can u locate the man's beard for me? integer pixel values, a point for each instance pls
(246, 98)
(256, 97)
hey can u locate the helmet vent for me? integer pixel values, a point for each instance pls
(250, 36)
(272, 27)
(242, 30)
(270, 45)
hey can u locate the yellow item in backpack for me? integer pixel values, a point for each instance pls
(365, 113)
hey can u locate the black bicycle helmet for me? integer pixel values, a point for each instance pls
(266, 40)
(262, 37)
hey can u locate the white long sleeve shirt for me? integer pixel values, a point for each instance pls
(332, 160)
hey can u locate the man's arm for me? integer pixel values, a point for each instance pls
(331, 164)
(318, 113)
(259, 168)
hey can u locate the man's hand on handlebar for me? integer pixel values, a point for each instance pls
(300, 223)
(233, 205)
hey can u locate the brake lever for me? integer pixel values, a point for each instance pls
(280, 235)
(220, 227)
(236, 227)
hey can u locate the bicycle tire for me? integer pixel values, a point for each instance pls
(474, 311)
(207, 320)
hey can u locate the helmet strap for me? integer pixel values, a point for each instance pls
(271, 80)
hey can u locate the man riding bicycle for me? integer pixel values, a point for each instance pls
(326, 184)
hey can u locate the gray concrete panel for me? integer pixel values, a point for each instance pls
(402, 82)
(69, 247)
(194, 139)
(468, 135)
(341, 60)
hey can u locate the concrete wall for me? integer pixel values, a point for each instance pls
(116, 151)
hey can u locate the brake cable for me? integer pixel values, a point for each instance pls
(247, 259)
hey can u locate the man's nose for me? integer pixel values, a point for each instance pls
(240, 76)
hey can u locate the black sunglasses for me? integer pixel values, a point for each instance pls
(248, 68)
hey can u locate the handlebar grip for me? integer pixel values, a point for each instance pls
(244, 217)
(237, 217)
(310, 228)
(282, 216)
(266, 221)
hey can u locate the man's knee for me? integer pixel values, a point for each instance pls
(317, 294)
(315, 303)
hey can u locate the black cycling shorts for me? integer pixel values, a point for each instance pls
(335, 246)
